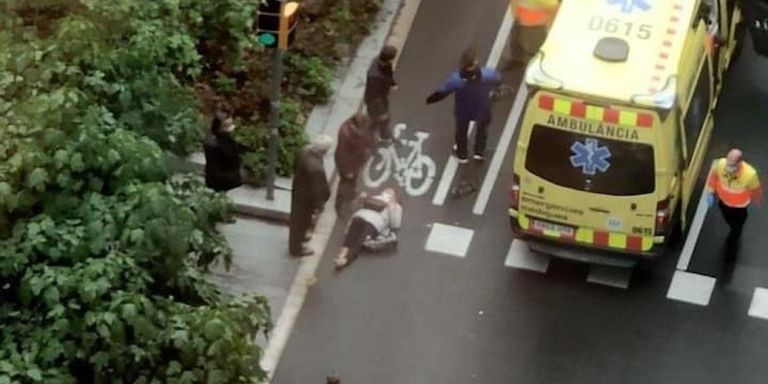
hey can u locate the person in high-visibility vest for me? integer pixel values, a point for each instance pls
(735, 184)
(532, 20)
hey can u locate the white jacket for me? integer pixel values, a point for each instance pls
(389, 218)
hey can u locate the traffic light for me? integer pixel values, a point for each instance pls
(277, 23)
(289, 17)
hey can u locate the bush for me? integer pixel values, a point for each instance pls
(103, 256)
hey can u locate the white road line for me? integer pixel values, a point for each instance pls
(445, 181)
(501, 151)
(449, 239)
(452, 165)
(759, 306)
(693, 232)
(501, 39)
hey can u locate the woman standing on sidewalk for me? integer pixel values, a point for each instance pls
(222, 154)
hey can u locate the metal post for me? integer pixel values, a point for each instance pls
(274, 121)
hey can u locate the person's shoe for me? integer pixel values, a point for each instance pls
(479, 157)
(462, 159)
(304, 252)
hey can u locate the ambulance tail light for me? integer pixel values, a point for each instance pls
(535, 75)
(663, 98)
(662, 217)
(514, 192)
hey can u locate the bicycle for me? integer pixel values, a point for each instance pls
(414, 172)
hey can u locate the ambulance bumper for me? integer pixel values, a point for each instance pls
(592, 254)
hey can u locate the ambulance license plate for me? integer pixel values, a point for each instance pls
(547, 226)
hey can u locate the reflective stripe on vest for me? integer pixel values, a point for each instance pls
(735, 190)
(533, 13)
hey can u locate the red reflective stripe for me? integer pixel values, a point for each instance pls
(634, 243)
(611, 116)
(546, 102)
(578, 109)
(535, 231)
(530, 17)
(600, 238)
(644, 120)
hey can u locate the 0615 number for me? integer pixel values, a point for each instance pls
(614, 25)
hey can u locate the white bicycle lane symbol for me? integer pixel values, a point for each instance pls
(414, 172)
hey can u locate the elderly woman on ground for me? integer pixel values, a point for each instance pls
(372, 226)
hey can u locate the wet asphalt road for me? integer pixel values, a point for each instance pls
(414, 316)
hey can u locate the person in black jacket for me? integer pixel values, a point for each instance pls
(222, 155)
(309, 192)
(379, 83)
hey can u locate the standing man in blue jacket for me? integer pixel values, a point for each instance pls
(472, 86)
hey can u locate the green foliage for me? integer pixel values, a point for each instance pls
(292, 138)
(310, 78)
(103, 255)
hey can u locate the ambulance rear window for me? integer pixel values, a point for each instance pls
(590, 163)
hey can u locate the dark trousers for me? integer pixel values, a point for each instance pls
(300, 223)
(346, 192)
(735, 217)
(358, 231)
(526, 41)
(481, 135)
(378, 111)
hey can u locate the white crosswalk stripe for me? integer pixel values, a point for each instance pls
(449, 240)
(759, 306)
(691, 288)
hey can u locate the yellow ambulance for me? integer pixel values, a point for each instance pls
(617, 122)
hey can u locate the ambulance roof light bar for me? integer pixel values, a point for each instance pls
(536, 76)
(664, 98)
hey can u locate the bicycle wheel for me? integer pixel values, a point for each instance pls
(419, 176)
(377, 169)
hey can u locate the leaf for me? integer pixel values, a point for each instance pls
(174, 368)
(77, 162)
(37, 178)
(214, 329)
(129, 311)
(35, 374)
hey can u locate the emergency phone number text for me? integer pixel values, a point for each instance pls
(614, 25)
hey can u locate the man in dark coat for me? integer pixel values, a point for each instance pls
(222, 155)
(379, 83)
(352, 150)
(309, 192)
(472, 86)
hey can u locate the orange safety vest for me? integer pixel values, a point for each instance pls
(534, 13)
(736, 190)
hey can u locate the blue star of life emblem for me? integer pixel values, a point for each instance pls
(590, 157)
(628, 6)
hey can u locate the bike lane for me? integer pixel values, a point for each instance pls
(348, 318)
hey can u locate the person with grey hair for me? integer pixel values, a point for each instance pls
(310, 191)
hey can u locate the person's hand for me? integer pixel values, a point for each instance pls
(394, 88)
(710, 199)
